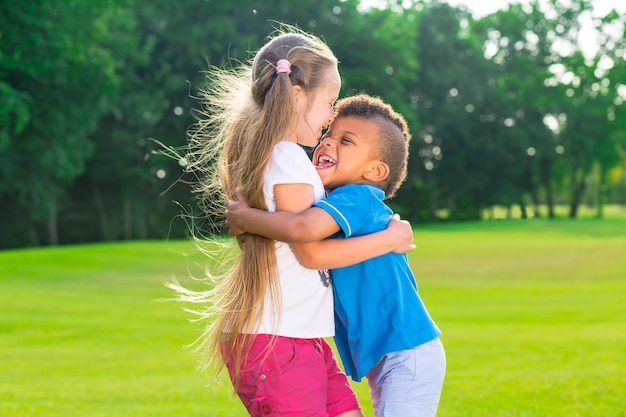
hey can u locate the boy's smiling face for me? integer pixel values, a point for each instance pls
(347, 153)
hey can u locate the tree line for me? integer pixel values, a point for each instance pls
(507, 109)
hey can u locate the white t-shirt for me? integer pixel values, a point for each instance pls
(307, 295)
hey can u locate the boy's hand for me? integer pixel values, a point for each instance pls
(403, 234)
(235, 212)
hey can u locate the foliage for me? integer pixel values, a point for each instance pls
(504, 110)
(59, 72)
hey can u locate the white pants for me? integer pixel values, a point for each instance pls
(408, 383)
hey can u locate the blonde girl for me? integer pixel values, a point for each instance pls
(268, 317)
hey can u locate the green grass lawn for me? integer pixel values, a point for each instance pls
(533, 315)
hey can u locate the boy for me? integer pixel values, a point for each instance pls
(382, 329)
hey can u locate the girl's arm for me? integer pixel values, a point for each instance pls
(293, 222)
(300, 223)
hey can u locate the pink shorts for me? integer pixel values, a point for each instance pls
(299, 377)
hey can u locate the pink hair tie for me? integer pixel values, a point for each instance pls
(283, 66)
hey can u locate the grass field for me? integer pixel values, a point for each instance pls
(533, 314)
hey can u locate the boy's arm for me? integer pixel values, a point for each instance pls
(337, 253)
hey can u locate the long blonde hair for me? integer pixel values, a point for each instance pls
(246, 112)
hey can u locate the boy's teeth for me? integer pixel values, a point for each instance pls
(325, 161)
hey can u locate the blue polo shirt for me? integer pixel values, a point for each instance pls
(377, 306)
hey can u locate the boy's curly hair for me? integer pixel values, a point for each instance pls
(394, 136)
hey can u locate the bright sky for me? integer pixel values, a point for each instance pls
(485, 7)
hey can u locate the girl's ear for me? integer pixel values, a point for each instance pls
(378, 171)
(297, 90)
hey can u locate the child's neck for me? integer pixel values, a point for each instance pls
(328, 190)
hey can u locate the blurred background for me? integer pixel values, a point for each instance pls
(516, 108)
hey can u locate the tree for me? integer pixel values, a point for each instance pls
(593, 96)
(519, 41)
(460, 143)
(58, 74)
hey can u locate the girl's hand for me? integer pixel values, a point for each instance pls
(235, 213)
(402, 235)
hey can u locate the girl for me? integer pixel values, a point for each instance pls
(269, 316)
